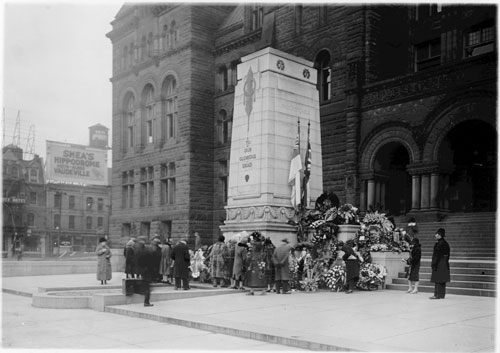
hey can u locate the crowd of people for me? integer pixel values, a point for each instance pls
(232, 263)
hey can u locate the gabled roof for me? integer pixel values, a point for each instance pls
(124, 10)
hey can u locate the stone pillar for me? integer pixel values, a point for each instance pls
(274, 90)
(371, 193)
(446, 185)
(434, 190)
(425, 191)
(362, 196)
(415, 192)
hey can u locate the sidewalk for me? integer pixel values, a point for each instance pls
(382, 320)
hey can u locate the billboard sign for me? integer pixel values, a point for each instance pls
(76, 164)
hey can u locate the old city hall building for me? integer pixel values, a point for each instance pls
(407, 106)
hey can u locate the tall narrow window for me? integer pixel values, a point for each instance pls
(174, 33)
(224, 172)
(126, 230)
(100, 222)
(71, 223)
(33, 176)
(223, 82)
(164, 34)
(71, 202)
(167, 184)
(428, 54)
(33, 197)
(150, 44)
(131, 55)
(124, 59)
(322, 63)
(129, 122)
(57, 199)
(100, 204)
(89, 222)
(169, 115)
(31, 220)
(143, 49)
(89, 203)
(225, 126)
(257, 16)
(148, 114)
(57, 221)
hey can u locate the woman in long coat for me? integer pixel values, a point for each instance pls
(268, 257)
(103, 261)
(282, 266)
(218, 255)
(240, 263)
(128, 252)
(165, 263)
(351, 259)
(440, 265)
(414, 262)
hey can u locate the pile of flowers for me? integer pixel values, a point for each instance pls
(371, 276)
(378, 234)
(334, 278)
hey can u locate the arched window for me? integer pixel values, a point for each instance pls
(148, 114)
(169, 109)
(322, 63)
(128, 125)
(224, 127)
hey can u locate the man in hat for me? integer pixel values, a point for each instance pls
(182, 260)
(440, 265)
(281, 265)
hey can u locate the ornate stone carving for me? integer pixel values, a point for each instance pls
(306, 73)
(260, 213)
(280, 65)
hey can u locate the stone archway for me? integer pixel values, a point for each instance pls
(462, 143)
(385, 181)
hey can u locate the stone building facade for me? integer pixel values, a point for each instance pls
(407, 103)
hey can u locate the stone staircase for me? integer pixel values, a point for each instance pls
(472, 239)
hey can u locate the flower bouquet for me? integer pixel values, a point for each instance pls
(334, 278)
(371, 276)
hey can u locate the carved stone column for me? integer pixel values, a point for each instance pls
(371, 193)
(425, 192)
(415, 192)
(434, 190)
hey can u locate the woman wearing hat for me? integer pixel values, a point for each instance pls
(103, 261)
(240, 263)
(440, 265)
(282, 266)
(414, 262)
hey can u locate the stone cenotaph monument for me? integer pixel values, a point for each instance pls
(275, 91)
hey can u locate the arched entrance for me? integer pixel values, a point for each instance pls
(390, 164)
(470, 149)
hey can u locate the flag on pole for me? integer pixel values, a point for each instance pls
(295, 168)
(306, 188)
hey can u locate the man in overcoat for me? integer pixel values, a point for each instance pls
(149, 260)
(440, 265)
(281, 265)
(180, 255)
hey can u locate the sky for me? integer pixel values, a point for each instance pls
(57, 62)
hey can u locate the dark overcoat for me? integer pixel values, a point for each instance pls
(280, 261)
(440, 262)
(414, 262)
(240, 261)
(128, 252)
(149, 261)
(180, 255)
(351, 266)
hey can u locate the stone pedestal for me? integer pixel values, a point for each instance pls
(275, 90)
(347, 231)
(391, 261)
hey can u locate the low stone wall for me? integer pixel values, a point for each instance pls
(60, 267)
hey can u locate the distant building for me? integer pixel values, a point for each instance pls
(23, 201)
(407, 103)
